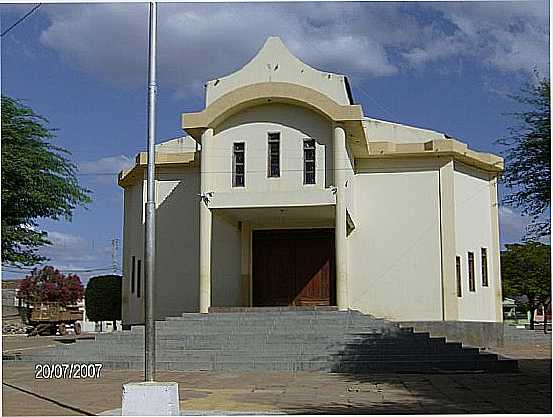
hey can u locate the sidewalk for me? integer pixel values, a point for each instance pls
(528, 391)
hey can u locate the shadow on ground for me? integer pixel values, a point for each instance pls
(527, 391)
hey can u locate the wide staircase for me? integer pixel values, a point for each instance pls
(279, 339)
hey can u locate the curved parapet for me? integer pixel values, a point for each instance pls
(275, 63)
(272, 92)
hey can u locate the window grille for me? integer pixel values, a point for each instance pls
(138, 278)
(458, 275)
(133, 264)
(472, 286)
(309, 161)
(239, 165)
(273, 169)
(484, 259)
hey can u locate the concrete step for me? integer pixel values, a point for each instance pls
(268, 328)
(467, 364)
(275, 339)
(215, 353)
(357, 366)
(171, 333)
(294, 309)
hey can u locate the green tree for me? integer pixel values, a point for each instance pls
(103, 298)
(526, 270)
(38, 181)
(528, 157)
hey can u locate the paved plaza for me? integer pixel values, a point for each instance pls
(527, 391)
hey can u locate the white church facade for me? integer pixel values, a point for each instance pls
(283, 193)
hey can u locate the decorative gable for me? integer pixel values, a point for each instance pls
(274, 62)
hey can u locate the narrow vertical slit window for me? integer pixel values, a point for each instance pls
(472, 286)
(458, 276)
(273, 168)
(138, 277)
(309, 161)
(133, 264)
(484, 259)
(239, 164)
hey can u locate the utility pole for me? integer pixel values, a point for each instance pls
(114, 252)
(149, 245)
(145, 398)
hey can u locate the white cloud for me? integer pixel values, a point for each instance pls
(508, 35)
(70, 252)
(198, 42)
(107, 165)
(512, 225)
(70, 248)
(201, 42)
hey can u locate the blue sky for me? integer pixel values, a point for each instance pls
(449, 67)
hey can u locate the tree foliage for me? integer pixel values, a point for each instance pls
(103, 298)
(50, 285)
(528, 157)
(526, 270)
(38, 181)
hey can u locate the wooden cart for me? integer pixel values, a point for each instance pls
(50, 318)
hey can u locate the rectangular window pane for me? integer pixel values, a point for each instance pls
(458, 275)
(238, 164)
(133, 262)
(138, 278)
(273, 169)
(472, 286)
(484, 253)
(309, 161)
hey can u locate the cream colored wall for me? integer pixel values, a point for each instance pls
(473, 231)
(226, 281)
(178, 145)
(177, 242)
(349, 185)
(383, 131)
(394, 251)
(251, 126)
(133, 233)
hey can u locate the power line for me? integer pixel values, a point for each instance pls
(370, 97)
(114, 250)
(254, 171)
(15, 269)
(315, 47)
(62, 270)
(21, 19)
(417, 240)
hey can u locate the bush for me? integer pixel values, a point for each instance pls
(103, 298)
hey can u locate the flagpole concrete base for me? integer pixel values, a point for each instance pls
(150, 399)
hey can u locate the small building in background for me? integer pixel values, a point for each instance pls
(11, 317)
(89, 326)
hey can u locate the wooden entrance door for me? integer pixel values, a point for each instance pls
(293, 267)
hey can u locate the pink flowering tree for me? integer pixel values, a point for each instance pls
(50, 285)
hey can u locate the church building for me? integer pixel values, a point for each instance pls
(283, 193)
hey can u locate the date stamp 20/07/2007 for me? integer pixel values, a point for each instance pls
(67, 370)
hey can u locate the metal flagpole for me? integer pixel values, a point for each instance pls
(149, 246)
